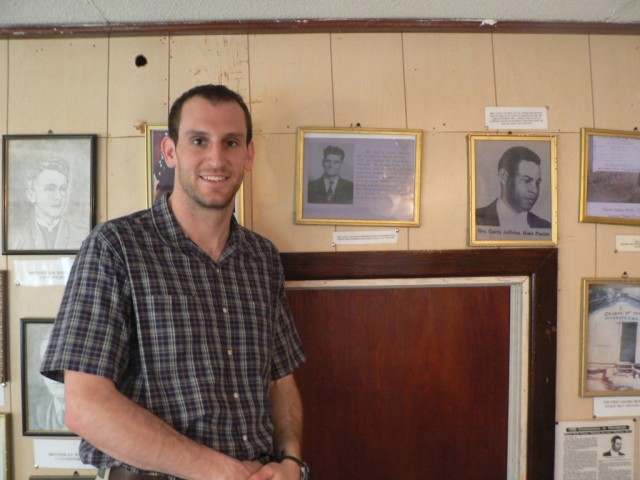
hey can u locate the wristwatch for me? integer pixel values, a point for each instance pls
(305, 471)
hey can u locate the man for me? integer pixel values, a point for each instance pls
(331, 187)
(47, 228)
(174, 338)
(519, 177)
(616, 446)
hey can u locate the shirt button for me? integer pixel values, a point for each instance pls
(229, 352)
(236, 395)
(245, 438)
(225, 310)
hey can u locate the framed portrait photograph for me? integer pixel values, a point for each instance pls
(5, 454)
(358, 176)
(160, 178)
(610, 356)
(42, 398)
(49, 192)
(610, 177)
(512, 190)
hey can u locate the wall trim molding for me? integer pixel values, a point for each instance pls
(314, 26)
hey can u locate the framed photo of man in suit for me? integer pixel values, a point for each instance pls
(513, 190)
(358, 176)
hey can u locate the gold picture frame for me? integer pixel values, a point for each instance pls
(610, 318)
(610, 176)
(358, 176)
(512, 190)
(160, 177)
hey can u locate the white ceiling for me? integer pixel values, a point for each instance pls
(17, 13)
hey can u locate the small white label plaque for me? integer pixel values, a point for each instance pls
(616, 406)
(57, 454)
(359, 238)
(628, 243)
(515, 118)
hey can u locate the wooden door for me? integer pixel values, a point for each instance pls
(407, 383)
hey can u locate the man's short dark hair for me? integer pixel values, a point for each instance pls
(332, 150)
(514, 155)
(615, 437)
(215, 94)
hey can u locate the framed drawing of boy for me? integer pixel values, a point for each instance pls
(512, 189)
(49, 192)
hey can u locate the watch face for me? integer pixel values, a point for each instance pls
(305, 472)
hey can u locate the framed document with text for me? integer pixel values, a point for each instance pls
(610, 186)
(358, 176)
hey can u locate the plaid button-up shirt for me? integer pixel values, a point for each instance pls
(194, 341)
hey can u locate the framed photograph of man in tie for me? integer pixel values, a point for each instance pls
(358, 176)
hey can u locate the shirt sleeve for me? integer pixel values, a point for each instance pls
(288, 351)
(92, 329)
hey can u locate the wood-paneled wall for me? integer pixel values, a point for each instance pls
(437, 82)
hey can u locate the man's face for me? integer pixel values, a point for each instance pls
(48, 193)
(616, 445)
(332, 163)
(211, 155)
(522, 189)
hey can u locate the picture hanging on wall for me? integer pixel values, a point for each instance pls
(5, 466)
(512, 190)
(610, 186)
(160, 178)
(3, 326)
(358, 176)
(610, 337)
(49, 192)
(42, 398)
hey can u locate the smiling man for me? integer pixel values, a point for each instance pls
(519, 176)
(174, 338)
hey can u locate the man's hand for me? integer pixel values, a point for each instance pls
(287, 470)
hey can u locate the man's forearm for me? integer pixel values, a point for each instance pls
(104, 417)
(286, 409)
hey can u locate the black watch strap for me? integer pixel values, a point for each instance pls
(304, 468)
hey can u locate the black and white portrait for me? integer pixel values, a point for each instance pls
(49, 192)
(42, 398)
(514, 186)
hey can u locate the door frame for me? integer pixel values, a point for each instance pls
(540, 265)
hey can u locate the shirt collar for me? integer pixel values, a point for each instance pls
(169, 230)
(508, 216)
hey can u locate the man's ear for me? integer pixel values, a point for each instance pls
(168, 148)
(31, 195)
(503, 176)
(248, 164)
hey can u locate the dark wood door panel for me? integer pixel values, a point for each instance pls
(404, 381)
